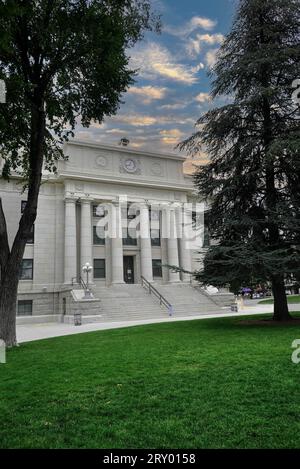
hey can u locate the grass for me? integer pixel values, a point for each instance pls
(201, 384)
(292, 299)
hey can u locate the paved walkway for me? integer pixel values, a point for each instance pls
(30, 332)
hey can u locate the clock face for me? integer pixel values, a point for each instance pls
(130, 165)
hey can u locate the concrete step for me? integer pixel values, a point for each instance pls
(133, 302)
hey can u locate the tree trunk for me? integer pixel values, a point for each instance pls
(8, 301)
(281, 310)
(10, 260)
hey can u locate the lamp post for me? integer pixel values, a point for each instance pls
(87, 269)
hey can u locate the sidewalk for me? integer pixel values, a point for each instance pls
(28, 333)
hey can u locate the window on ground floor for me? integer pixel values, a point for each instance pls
(26, 271)
(156, 268)
(24, 308)
(99, 268)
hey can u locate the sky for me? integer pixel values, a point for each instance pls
(172, 85)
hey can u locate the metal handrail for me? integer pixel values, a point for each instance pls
(74, 281)
(83, 284)
(80, 281)
(162, 299)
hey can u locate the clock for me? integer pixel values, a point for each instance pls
(130, 165)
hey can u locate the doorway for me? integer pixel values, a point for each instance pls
(128, 262)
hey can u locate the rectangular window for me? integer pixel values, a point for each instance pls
(98, 235)
(24, 308)
(98, 211)
(156, 268)
(30, 239)
(129, 237)
(26, 272)
(154, 215)
(155, 237)
(99, 268)
(129, 212)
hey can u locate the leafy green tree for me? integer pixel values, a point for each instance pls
(62, 61)
(253, 179)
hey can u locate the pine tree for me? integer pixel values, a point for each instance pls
(253, 179)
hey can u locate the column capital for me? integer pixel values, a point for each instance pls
(86, 199)
(143, 205)
(70, 197)
(116, 202)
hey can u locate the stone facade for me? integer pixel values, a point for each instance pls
(66, 232)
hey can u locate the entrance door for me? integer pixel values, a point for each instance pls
(128, 269)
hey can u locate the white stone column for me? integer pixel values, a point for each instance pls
(70, 240)
(117, 269)
(184, 226)
(170, 231)
(86, 246)
(146, 248)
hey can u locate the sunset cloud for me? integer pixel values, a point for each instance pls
(171, 136)
(154, 60)
(138, 120)
(171, 90)
(148, 93)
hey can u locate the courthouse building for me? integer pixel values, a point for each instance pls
(118, 209)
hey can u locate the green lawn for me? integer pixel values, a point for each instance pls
(199, 384)
(292, 299)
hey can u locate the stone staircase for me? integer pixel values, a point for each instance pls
(128, 303)
(120, 303)
(189, 301)
(133, 302)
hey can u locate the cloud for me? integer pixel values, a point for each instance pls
(195, 22)
(211, 38)
(211, 57)
(154, 60)
(204, 23)
(194, 45)
(198, 67)
(96, 125)
(174, 106)
(142, 120)
(176, 133)
(137, 145)
(171, 136)
(138, 120)
(191, 163)
(203, 98)
(148, 93)
(114, 131)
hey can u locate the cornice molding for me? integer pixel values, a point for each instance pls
(125, 150)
